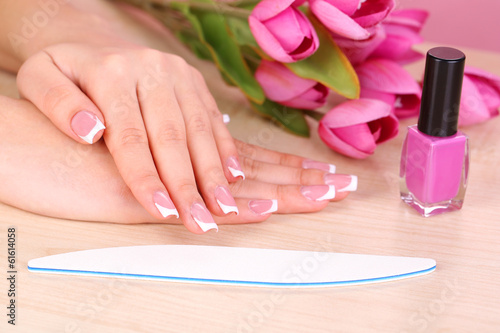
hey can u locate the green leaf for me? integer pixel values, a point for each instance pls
(290, 118)
(214, 34)
(195, 45)
(241, 31)
(328, 65)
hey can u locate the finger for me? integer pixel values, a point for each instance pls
(40, 81)
(203, 150)
(223, 139)
(127, 141)
(270, 156)
(291, 198)
(168, 142)
(251, 211)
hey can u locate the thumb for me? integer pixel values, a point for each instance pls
(42, 82)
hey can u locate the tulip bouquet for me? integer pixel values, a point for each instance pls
(336, 61)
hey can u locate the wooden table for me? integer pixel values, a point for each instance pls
(462, 295)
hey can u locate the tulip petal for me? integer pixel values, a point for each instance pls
(311, 99)
(412, 18)
(287, 21)
(386, 76)
(492, 79)
(337, 21)
(348, 7)
(267, 41)
(473, 110)
(357, 111)
(279, 83)
(338, 145)
(266, 9)
(357, 51)
(372, 12)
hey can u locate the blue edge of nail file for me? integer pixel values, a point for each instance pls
(234, 266)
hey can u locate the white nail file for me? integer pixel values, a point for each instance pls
(234, 265)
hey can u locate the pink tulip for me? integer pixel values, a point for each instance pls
(480, 96)
(358, 51)
(354, 128)
(402, 30)
(387, 81)
(351, 18)
(283, 86)
(282, 30)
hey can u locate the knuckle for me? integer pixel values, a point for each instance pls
(141, 181)
(170, 133)
(133, 136)
(115, 64)
(55, 96)
(198, 124)
(285, 159)
(246, 149)
(187, 186)
(252, 167)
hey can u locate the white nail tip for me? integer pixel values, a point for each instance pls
(206, 226)
(328, 195)
(332, 168)
(353, 186)
(167, 211)
(89, 138)
(225, 118)
(236, 173)
(228, 209)
(274, 207)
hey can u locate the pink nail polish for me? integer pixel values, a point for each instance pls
(262, 207)
(164, 204)
(225, 200)
(202, 217)
(86, 125)
(343, 183)
(318, 192)
(310, 164)
(234, 167)
(435, 157)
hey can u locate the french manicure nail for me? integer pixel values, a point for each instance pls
(318, 192)
(310, 164)
(86, 125)
(262, 207)
(203, 218)
(164, 204)
(343, 183)
(225, 118)
(234, 167)
(225, 200)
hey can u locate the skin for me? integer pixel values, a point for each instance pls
(47, 173)
(164, 130)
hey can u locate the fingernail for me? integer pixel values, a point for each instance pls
(343, 183)
(262, 207)
(318, 192)
(310, 164)
(86, 125)
(225, 118)
(203, 218)
(234, 167)
(225, 200)
(164, 204)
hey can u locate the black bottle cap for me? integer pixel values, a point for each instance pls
(444, 72)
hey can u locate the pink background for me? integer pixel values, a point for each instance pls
(468, 23)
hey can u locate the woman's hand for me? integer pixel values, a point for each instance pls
(46, 172)
(158, 119)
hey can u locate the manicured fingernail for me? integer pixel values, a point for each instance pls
(86, 125)
(318, 192)
(225, 200)
(262, 207)
(164, 204)
(234, 167)
(310, 164)
(343, 183)
(203, 218)
(225, 118)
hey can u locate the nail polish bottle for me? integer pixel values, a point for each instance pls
(435, 157)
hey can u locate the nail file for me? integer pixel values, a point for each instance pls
(234, 266)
